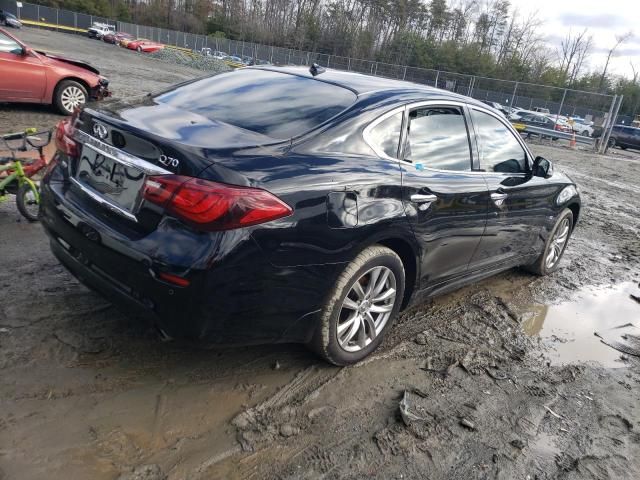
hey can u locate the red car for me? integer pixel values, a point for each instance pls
(143, 45)
(115, 38)
(37, 77)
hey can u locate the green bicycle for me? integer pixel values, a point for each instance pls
(16, 173)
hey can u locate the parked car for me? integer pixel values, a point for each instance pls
(271, 204)
(219, 55)
(543, 121)
(32, 76)
(144, 46)
(9, 20)
(497, 106)
(99, 30)
(541, 110)
(581, 126)
(233, 59)
(625, 137)
(516, 112)
(125, 41)
(116, 37)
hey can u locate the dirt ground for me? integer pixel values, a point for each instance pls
(504, 379)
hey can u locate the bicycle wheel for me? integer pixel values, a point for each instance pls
(27, 202)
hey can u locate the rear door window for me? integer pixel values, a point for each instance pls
(438, 139)
(500, 151)
(274, 104)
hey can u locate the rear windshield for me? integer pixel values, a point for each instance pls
(275, 104)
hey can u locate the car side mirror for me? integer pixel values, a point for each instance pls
(542, 167)
(26, 51)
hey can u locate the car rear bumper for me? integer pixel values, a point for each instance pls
(235, 298)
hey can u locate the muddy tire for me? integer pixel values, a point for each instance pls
(27, 204)
(358, 297)
(555, 246)
(69, 95)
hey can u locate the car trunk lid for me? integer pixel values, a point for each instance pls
(123, 144)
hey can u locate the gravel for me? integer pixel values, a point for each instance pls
(191, 60)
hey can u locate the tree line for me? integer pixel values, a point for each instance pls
(487, 38)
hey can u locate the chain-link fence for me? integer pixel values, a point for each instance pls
(567, 102)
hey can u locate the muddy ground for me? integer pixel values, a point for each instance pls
(503, 379)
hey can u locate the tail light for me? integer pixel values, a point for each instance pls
(213, 206)
(64, 136)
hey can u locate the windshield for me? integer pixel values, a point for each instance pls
(275, 104)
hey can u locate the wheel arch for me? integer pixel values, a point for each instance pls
(408, 256)
(575, 209)
(74, 79)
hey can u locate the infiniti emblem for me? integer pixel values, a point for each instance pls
(100, 131)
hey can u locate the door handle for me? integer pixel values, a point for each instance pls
(499, 198)
(418, 198)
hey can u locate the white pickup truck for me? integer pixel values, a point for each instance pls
(99, 30)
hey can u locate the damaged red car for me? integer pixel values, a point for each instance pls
(31, 76)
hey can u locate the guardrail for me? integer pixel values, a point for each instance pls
(557, 134)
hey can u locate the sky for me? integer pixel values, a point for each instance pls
(604, 18)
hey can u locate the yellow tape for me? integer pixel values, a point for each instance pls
(51, 25)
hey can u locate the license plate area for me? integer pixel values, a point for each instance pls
(109, 181)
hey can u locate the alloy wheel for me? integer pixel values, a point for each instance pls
(366, 309)
(558, 243)
(72, 97)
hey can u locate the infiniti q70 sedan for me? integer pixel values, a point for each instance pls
(297, 205)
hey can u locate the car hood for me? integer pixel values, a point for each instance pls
(70, 61)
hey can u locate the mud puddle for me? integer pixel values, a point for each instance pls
(602, 324)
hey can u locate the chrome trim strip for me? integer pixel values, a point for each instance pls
(103, 201)
(367, 130)
(120, 156)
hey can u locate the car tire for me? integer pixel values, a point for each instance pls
(612, 142)
(585, 133)
(69, 95)
(384, 267)
(541, 266)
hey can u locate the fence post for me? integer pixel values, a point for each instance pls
(437, 77)
(471, 83)
(271, 57)
(564, 94)
(57, 19)
(404, 73)
(75, 20)
(611, 121)
(513, 95)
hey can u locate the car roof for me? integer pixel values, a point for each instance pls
(362, 84)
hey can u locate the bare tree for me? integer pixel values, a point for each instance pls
(573, 51)
(620, 39)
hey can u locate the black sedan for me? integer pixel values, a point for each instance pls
(294, 205)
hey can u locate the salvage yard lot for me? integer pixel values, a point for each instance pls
(459, 389)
